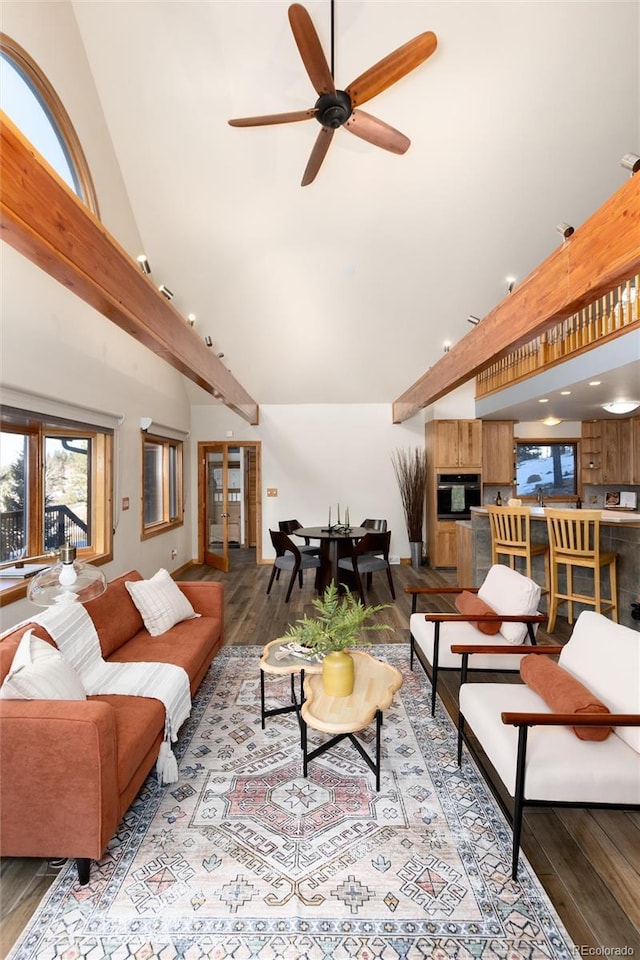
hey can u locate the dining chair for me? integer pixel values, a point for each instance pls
(379, 525)
(574, 542)
(511, 537)
(289, 527)
(369, 554)
(289, 557)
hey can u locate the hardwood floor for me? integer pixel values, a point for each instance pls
(587, 860)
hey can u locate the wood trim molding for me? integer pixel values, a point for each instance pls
(602, 253)
(44, 220)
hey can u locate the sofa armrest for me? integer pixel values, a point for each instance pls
(59, 775)
(485, 617)
(205, 596)
(571, 719)
(516, 649)
(434, 591)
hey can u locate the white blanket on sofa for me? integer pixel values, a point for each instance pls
(74, 633)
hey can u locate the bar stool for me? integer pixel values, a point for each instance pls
(574, 541)
(511, 537)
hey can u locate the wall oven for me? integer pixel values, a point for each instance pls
(456, 494)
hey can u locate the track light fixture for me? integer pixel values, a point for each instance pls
(446, 346)
(191, 319)
(565, 229)
(143, 263)
(630, 161)
(165, 291)
(208, 341)
(219, 356)
(472, 319)
(511, 282)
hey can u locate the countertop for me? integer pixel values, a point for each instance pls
(606, 516)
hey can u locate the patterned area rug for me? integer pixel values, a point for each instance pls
(244, 858)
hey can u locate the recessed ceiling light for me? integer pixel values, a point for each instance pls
(551, 421)
(621, 406)
(595, 383)
(565, 393)
(544, 400)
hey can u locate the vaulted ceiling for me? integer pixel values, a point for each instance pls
(345, 290)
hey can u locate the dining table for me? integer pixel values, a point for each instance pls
(335, 542)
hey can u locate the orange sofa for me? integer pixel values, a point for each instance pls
(69, 769)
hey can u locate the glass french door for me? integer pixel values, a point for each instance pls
(229, 510)
(219, 524)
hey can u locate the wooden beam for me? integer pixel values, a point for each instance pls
(43, 219)
(602, 253)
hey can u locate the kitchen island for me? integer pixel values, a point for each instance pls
(619, 532)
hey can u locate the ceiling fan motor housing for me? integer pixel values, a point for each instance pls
(333, 110)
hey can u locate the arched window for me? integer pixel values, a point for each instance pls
(27, 97)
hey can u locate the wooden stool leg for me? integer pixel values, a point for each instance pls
(553, 598)
(547, 571)
(597, 590)
(613, 580)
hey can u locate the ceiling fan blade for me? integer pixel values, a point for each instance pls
(392, 68)
(310, 49)
(272, 118)
(375, 131)
(322, 144)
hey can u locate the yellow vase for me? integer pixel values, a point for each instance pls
(337, 673)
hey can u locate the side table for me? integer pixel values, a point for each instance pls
(277, 662)
(374, 687)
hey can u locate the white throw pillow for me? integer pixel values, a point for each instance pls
(508, 592)
(160, 602)
(40, 672)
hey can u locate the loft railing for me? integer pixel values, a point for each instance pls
(613, 314)
(61, 525)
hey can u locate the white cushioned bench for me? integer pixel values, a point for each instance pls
(535, 752)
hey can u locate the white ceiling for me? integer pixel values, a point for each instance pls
(344, 291)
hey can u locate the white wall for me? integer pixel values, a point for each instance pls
(53, 344)
(319, 455)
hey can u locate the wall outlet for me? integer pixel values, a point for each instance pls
(125, 503)
(174, 553)
(393, 558)
(272, 491)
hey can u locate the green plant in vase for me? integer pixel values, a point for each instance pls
(339, 623)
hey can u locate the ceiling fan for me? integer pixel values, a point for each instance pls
(337, 108)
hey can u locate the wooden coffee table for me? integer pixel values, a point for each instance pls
(375, 684)
(275, 663)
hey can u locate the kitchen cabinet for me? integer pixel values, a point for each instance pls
(445, 552)
(606, 451)
(464, 551)
(497, 452)
(616, 451)
(457, 444)
(635, 448)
